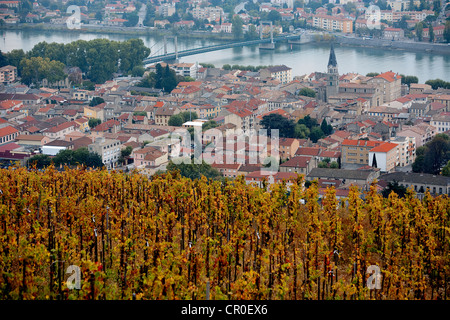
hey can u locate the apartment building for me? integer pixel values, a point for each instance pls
(384, 156)
(108, 149)
(166, 9)
(332, 23)
(406, 149)
(8, 74)
(281, 73)
(355, 153)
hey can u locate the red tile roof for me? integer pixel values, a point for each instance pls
(5, 131)
(385, 147)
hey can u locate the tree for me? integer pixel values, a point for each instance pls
(409, 79)
(96, 101)
(274, 16)
(169, 79)
(446, 170)
(36, 69)
(374, 161)
(435, 154)
(195, 171)
(431, 33)
(419, 31)
(394, 187)
(447, 32)
(326, 128)
(372, 74)
(93, 122)
(278, 122)
(176, 120)
(236, 27)
(307, 92)
(40, 161)
(132, 19)
(301, 131)
(316, 134)
(438, 83)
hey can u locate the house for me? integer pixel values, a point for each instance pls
(110, 126)
(362, 178)
(94, 112)
(8, 134)
(163, 114)
(288, 147)
(298, 164)
(35, 140)
(228, 170)
(393, 33)
(390, 85)
(149, 156)
(441, 122)
(52, 148)
(59, 131)
(384, 156)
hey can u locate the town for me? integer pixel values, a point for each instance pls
(340, 129)
(394, 20)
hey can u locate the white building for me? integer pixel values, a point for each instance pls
(108, 149)
(441, 122)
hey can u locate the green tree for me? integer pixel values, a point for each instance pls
(419, 31)
(274, 16)
(372, 74)
(132, 19)
(409, 79)
(252, 33)
(301, 131)
(431, 33)
(35, 69)
(169, 80)
(236, 27)
(195, 171)
(326, 128)
(316, 134)
(433, 156)
(96, 101)
(446, 170)
(438, 83)
(93, 122)
(275, 121)
(176, 120)
(447, 32)
(307, 92)
(40, 161)
(394, 187)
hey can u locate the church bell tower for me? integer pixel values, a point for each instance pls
(332, 87)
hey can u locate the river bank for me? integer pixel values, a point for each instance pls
(394, 45)
(138, 31)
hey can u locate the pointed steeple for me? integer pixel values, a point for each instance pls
(332, 62)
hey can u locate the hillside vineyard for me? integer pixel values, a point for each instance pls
(169, 237)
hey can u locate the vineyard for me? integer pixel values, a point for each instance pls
(168, 237)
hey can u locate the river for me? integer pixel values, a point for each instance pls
(303, 59)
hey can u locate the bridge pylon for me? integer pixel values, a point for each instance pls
(271, 44)
(175, 41)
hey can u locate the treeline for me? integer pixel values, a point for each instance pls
(243, 68)
(304, 128)
(98, 59)
(81, 156)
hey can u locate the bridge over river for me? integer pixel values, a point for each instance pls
(265, 43)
